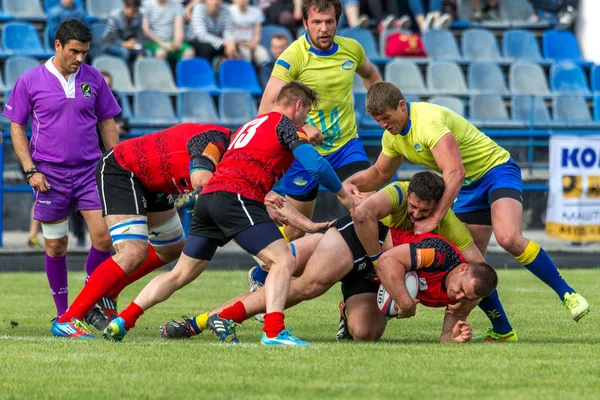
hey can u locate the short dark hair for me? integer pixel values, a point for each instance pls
(427, 186)
(486, 277)
(132, 3)
(321, 6)
(279, 36)
(73, 29)
(382, 96)
(295, 90)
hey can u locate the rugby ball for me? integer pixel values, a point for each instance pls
(387, 306)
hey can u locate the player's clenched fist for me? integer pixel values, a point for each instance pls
(462, 332)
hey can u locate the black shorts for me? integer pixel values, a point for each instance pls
(222, 215)
(122, 193)
(360, 279)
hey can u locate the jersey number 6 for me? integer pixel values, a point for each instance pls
(246, 133)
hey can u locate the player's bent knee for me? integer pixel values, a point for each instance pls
(508, 242)
(362, 333)
(311, 291)
(55, 231)
(130, 254)
(293, 233)
(168, 238)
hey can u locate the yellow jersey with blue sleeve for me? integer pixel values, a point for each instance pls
(427, 124)
(331, 74)
(450, 227)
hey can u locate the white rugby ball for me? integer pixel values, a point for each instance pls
(387, 306)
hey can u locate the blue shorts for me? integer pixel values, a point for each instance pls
(476, 196)
(298, 182)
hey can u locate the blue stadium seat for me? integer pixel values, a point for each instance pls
(101, 8)
(446, 78)
(525, 78)
(152, 108)
(597, 108)
(441, 45)
(270, 30)
(519, 13)
(118, 70)
(3, 87)
(14, 67)
(452, 103)
(405, 75)
(411, 97)
(486, 77)
(28, 10)
(560, 45)
(96, 47)
(489, 111)
(236, 107)
(480, 45)
(595, 78)
(566, 77)
(196, 73)
(239, 75)
(521, 45)
(573, 111)
(153, 74)
(48, 4)
(364, 120)
(21, 38)
(366, 39)
(197, 106)
(531, 110)
(301, 31)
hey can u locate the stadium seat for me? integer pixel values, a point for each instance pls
(28, 10)
(118, 70)
(479, 45)
(530, 109)
(14, 67)
(101, 9)
(489, 111)
(236, 107)
(363, 119)
(3, 87)
(196, 73)
(515, 11)
(153, 74)
(152, 108)
(560, 45)
(197, 106)
(366, 39)
(301, 31)
(572, 110)
(521, 45)
(358, 85)
(464, 10)
(452, 103)
(597, 108)
(21, 38)
(239, 75)
(48, 4)
(486, 77)
(525, 78)
(441, 45)
(96, 47)
(406, 76)
(566, 77)
(595, 78)
(270, 30)
(446, 78)
(411, 98)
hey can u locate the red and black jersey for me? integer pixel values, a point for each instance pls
(432, 257)
(161, 160)
(258, 155)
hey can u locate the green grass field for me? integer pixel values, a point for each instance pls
(555, 358)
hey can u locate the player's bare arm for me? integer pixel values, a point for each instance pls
(368, 73)
(455, 328)
(109, 133)
(37, 180)
(377, 175)
(270, 94)
(448, 158)
(472, 254)
(366, 221)
(391, 269)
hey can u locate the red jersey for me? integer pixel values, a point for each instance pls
(258, 155)
(161, 160)
(432, 258)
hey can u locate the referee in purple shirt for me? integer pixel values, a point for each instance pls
(65, 99)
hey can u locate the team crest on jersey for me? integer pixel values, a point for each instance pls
(348, 65)
(86, 90)
(418, 148)
(422, 284)
(300, 181)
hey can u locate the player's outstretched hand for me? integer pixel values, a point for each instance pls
(407, 311)
(315, 136)
(272, 199)
(462, 332)
(320, 226)
(38, 181)
(425, 225)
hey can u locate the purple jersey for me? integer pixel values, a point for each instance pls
(64, 113)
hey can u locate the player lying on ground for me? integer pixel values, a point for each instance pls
(339, 256)
(230, 207)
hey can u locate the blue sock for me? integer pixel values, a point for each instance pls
(260, 275)
(537, 261)
(492, 307)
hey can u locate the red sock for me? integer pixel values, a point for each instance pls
(152, 263)
(273, 324)
(101, 281)
(236, 312)
(131, 315)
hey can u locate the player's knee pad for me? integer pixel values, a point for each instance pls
(55, 231)
(134, 228)
(169, 232)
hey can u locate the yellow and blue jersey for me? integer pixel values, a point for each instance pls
(331, 74)
(450, 227)
(427, 124)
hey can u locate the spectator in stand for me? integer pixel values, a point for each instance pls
(561, 13)
(386, 13)
(163, 27)
(212, 31)
(434, 19)
(353, 16)
(489, 12)
(122, 123)
(247, 30)
(63, 11)
(286, 13)
(279, 42)
(124, 34)
(188, 6)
